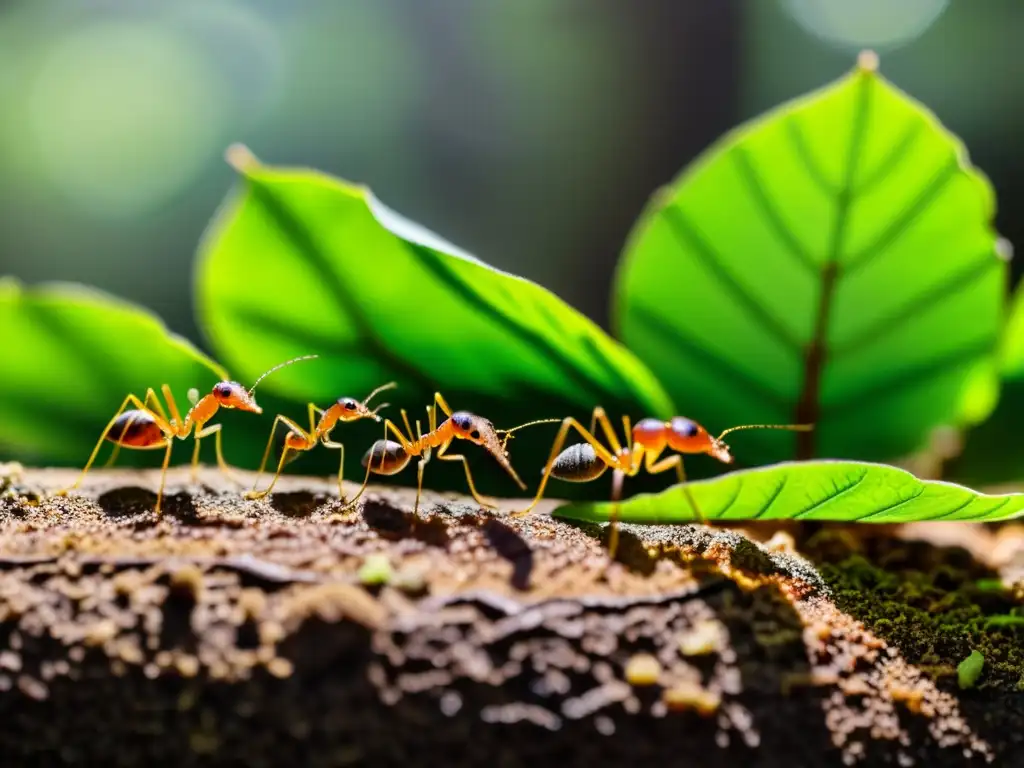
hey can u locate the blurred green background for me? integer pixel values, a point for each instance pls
(530, 132)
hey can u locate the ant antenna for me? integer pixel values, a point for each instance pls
(377, 391)
(508, 432)
(529, 424)
(279, 367)
(787, 427)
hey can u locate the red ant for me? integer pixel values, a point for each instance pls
(345, 409)
(146, 428)
(387, 457)
(583, 462)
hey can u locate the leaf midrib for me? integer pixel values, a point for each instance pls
(530, 337)
(307, 246)
(808, 407)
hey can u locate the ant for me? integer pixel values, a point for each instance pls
(387, 457)
(345, 409)
(583, 462)
(146, 428)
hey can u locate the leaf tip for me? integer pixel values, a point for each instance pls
(867, 62)
(241, 158)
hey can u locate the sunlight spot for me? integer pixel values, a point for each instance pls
(866, 23)
(124, 116)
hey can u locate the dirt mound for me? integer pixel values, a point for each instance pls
(288, 632)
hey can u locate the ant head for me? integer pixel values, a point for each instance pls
(480, 431)
(350, 409)
(231, 394)
(473, 428)
(687, 436)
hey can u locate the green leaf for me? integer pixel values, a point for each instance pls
(832, 262)
(70, 356)
(969, 670)
(846, 491)
(298, 262)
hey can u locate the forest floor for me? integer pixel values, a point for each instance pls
(288, 632)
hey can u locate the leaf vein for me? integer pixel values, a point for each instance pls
(987, 514)
(311, 251)
(921, 202)
(915, 307)
(891, 507)
(971, 498)
(528, 336)
(726, 368)
(804, 512)
(899, 151)
(771, 499)
(687, 234)
(732, 499)
(909, 377)
(808, 407)
(770, 212)
(794, 133)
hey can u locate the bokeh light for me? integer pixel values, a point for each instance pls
(853, 24)
(123, 115)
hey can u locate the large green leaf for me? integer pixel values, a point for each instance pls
(70, 356)
(846, 491)
(832, 262)
(298, 262)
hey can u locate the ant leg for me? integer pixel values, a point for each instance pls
(601, 418)
(129, 400)
(556, 448)
(194, 464)
(163, 475)
(440, 402)
(279, 419)
(405, 442)
(676, 462)
(313, 411)
(420, 466)
(442, 456)
(172, 406)
(613, 523)
(218, 445)
(157, 407)
(366, 481)
(216, 431)
(254, 494)
(266, 451)
(341, 464)
(369, 463)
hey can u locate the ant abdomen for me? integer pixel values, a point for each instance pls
(386, 457)
(578, 464)
(136, 429)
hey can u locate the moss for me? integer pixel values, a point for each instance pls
(936, 604)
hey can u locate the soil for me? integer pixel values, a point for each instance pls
(290, 632)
